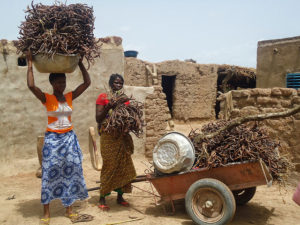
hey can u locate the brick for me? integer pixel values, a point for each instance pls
(235, 113)
(151, 139)
(250, 101)
(240, 93)
(260, 91)
(148, 119)
(276, 92)
(288, 91)
(151, 96)
(157, 88)
(150, 133)
(249, 110)
(286, 103)
(267, 100)
(296, 100)
(162, 95)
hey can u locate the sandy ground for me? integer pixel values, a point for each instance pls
(20, 204)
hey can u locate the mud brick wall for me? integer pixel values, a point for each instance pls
(257, 101)
(135, 73)
(156, 116)
(194, 94)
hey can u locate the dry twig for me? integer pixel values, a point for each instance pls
(126, 118)
(222, 142)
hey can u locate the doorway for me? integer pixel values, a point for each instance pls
(167, 83)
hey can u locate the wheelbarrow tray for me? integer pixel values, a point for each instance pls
(235, 175)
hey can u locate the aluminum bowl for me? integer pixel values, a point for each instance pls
(174, 152)
(59, 63)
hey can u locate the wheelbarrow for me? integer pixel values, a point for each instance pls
(211, 194)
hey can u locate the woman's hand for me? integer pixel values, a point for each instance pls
(112, 104)
(126, 131)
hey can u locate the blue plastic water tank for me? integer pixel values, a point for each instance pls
(293, 80)
(131, 53)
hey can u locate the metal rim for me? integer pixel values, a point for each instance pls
(175, 132)
(59, 54)
(208, 205)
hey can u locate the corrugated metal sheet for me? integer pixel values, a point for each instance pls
(293, 80)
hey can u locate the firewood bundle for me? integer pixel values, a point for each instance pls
(59, 28)
(126, 118)
(239, 144)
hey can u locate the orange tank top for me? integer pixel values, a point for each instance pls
(59, 113)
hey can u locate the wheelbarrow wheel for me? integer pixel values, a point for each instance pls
(244, 195)
(210, 202)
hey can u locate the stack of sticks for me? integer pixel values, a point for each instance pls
(59, 28)
(125, 118)
(242, 143)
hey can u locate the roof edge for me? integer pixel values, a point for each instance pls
(277, 41)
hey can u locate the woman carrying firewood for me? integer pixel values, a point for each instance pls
(116, 147)
(62, 175)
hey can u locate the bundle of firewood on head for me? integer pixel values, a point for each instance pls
(223, 142)
(59, 28)
(124, 118)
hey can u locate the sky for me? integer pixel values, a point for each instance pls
(208, 31)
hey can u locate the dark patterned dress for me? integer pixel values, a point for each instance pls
(118, 170)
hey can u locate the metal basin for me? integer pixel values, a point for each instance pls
(174, 152)
(59, 63)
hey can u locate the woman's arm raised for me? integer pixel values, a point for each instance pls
(30, 80)
(86, 81)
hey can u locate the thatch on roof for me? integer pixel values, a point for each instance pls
(233, 77)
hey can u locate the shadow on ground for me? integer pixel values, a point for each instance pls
(251, 213)
(111, 201)
(34, 208)
(166, 210)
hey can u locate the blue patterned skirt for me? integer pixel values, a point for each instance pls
(62, 176)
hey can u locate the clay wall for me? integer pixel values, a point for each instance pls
(23, 117)
(135, 72)
(276, 58)
(257, 101)
(194, 94)
(156, 117)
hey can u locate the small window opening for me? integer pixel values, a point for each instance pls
(22, 61)
(167, 83)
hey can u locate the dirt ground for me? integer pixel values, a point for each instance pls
(20, 204)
